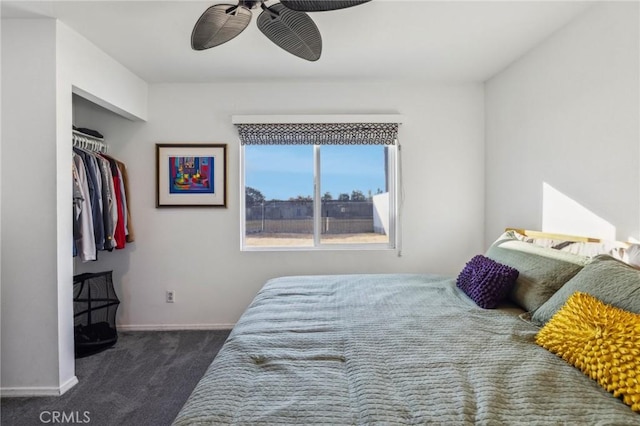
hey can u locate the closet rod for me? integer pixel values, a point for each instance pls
(88, 142)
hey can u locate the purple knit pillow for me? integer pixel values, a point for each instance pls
(486, 281)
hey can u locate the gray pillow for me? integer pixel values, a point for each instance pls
(610, 280)
(542, 270)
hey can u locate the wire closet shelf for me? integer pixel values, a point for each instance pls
(90, 143)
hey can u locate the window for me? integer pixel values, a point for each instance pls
(318, 196)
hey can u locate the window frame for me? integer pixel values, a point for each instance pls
(318, 245)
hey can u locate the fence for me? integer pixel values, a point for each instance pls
(329, 225)
(338, 217)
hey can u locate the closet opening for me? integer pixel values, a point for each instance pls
(102, 225)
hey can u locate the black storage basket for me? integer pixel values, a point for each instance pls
(94, 310)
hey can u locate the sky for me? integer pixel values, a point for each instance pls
(281, 172)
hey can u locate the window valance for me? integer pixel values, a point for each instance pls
(318, 133)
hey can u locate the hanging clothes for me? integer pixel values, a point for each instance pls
(101, 212)
(85, 241)
(119, 234)
(78, 199)
(125, 181)
(109, 203)
(95, 184)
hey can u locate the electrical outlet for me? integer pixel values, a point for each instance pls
(171, 296)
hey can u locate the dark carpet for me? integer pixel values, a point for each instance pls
(144, 379)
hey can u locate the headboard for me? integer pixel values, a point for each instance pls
(628, 252)
(563, 237)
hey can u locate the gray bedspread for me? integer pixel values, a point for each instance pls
(389, 350)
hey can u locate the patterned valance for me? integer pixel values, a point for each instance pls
(318, 134)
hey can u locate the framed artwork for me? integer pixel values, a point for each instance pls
(191, 175)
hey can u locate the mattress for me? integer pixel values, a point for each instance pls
(396, 349)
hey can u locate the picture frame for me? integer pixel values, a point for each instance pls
(191, 175)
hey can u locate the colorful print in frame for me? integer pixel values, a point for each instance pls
(191, 175)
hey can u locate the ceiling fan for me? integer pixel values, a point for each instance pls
(284, 23)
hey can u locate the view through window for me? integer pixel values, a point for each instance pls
(319, 196)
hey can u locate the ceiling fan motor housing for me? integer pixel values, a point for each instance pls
(250, 4)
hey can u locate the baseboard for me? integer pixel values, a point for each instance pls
(39, 391)
(68, 385)
(171, 327)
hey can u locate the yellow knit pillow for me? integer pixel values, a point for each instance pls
(601, 340)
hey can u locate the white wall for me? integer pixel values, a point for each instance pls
(43, 63)
(96, 76)
(29, 269)
(563, 132)
(196, 252)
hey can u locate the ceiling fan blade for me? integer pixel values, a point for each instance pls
(320, 5)
(293, 31)
(219, 24)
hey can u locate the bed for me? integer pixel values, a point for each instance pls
(402, 349)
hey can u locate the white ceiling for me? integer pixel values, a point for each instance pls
(439, 41)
